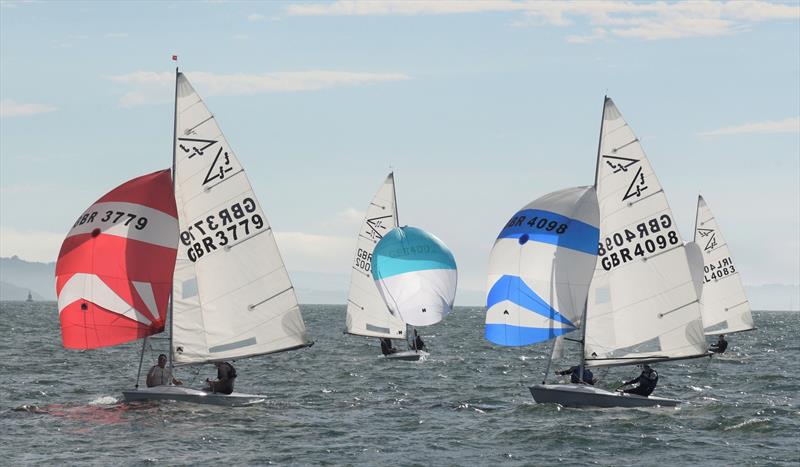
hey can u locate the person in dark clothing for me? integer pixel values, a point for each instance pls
(720, 345)
(647, 381)
(226, 373)
(418, 344)
(575, 375)
(386, 346)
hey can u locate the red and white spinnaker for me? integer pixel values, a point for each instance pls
(114, 270)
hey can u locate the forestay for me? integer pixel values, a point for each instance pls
(416, 275)
(725, 305)
(540, 268)
(114, 270)
(642, 302)
(367, 314)
(232, 295)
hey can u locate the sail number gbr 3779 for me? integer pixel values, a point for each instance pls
(225, 228)
(644, 240)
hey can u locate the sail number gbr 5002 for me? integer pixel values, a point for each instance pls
(646, 239)
(229, 226)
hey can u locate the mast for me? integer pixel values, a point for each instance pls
(696, 217)
(174, 148)
(409, 335)
(586, 304)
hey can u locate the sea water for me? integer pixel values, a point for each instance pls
(339, 402)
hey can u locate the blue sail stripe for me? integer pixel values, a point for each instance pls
(506, 334)
(515, 290)
(578, 236)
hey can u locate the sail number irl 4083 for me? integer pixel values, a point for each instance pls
(225, 228)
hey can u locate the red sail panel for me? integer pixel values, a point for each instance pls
(114, 271)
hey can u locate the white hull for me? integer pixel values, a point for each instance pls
(182, 394)
(408, 355)
(581, 395)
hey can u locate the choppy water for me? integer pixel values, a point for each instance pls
(339, 403)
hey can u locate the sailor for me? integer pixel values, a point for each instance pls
(386, 346)
(720, 345)
(647, 381)
(575, 375)
(159, 375)
(418, 344)
(226, 373)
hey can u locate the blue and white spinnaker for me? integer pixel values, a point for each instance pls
(415, 274)
(540, 268)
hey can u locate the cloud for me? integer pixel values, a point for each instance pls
(117, 35)
(636, 20)
(255, 17)
(787, 125)
(33, 245)
(10, 108)
(154, 87)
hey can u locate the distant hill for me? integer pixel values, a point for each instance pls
(16, 273)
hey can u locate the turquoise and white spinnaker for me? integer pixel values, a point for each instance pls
(540, 268)
(415, 274)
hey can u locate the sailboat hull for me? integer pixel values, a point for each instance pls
(408, 355)
(574, 395)
(182, 394)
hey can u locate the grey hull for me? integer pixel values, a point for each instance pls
(179, 393)
(575, 395)
(408, 355)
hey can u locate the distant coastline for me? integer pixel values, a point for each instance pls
(18, 277)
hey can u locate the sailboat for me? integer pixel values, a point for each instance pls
(30, 297)
(367, 314)
(622, 278)
(193, 252)
(416, 275)
(725, 308)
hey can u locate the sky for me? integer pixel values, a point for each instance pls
(479, 107)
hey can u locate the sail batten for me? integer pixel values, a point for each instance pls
(232, 294)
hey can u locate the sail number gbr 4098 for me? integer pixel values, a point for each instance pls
(646, 239)
(229, 226)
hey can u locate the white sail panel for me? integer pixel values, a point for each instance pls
(642, 302)
(725, 305)
(232, 296)
(367, 314)
(540, 268)
(695, 256)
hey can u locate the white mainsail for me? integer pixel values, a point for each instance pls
(367, 314)
(232, 296)
(642, 302)
(725, 305)
(695, 256)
